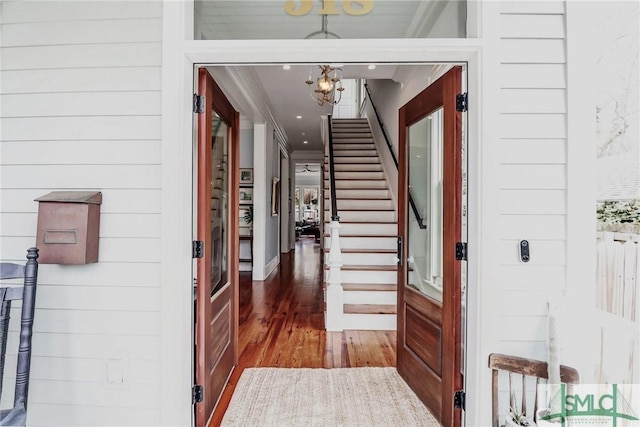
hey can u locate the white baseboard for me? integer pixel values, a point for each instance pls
(271, 266)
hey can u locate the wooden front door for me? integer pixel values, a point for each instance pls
(217, 226)
(429, 287)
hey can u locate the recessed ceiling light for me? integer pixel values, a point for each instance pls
(372, 66)
(305, 142)
(304, 133)
(298, 117)
(286, 67)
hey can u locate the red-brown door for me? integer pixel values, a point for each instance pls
(429, 288)
(217, 227)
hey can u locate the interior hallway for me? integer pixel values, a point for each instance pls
(281, 324)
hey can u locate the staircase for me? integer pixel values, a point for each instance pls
(368, 228)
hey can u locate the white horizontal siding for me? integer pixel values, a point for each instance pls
(91, 346)
(533, 100)
(532, 26)
(542, 252)
(87, 415)
(81, 110)
(532, 202)
(111, 225)
(85, 370)
(531, 151)
(91, 176)
(531, 277)
(122, 200)
(77, 12)
(81, 80)
(539, 227)
(82, 32)
(108, 322)
(82, 104)
(140, 152)
(533, 7)
(533, 76)
(532, 175)
(133, 250)
(532, 126)
(82, 56)
(80, 128)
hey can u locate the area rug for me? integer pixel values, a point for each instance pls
(325, 397)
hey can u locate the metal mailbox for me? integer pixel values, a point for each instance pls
(68, 227)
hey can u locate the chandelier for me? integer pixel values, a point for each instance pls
(327, 84)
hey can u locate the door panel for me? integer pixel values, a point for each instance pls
(429, 287)
(217, 226)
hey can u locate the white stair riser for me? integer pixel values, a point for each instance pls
(361, 139)
(366, 276)
(339, 149)
(347, 242)
(357, 184)
(363, 216)
(362, 194)
(370, 297)
(370, 322)
(350, 258)
(355, 153)
(390, 229)
(356, 175)
(347, 204)
(358, 159)
(357, 167)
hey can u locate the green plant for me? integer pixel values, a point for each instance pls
(619, 212)
(248, 215)
(518, 418)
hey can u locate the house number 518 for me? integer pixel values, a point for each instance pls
(350, 7)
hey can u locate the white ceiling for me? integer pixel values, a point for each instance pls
(268, 93)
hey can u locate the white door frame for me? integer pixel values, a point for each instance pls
(181, 53)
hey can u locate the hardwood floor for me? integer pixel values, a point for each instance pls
(282, 324)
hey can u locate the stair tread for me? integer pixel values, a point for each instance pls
(363, 235)
(355, 267)
(375, 287)
(370, 309)
(367, 222)
(364, 251)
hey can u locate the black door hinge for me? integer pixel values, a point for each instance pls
(459, 399)
(197, 394)
(198, 104)
(461, 251)
(462, 102)
(198, 249)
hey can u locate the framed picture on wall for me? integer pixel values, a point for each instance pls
(246, 196)
(246, 176)
(275, 196)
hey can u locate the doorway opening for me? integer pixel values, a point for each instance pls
(282, 318)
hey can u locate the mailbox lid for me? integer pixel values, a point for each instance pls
(89, 197)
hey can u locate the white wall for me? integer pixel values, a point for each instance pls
(80, 110)
(531, 172)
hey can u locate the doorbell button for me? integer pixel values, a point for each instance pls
(524, 251)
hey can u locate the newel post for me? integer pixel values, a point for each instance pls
(334, 298)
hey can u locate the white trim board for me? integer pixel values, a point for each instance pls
(179, 58)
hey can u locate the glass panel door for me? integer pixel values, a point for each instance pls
(425, 188)
(219, 203)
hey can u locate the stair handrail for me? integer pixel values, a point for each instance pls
(332, 175)
(414, 208)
